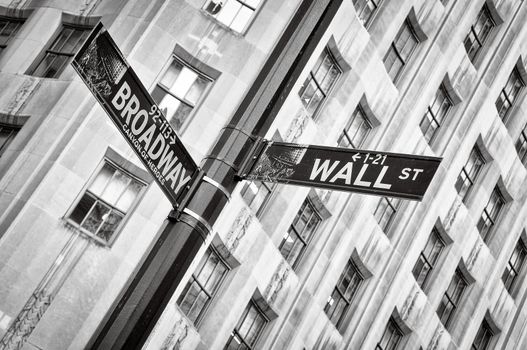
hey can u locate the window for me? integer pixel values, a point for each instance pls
(7, 134)
(8, 29)
(482, 340)
(355, 133)
(300, 232)
(400, 50)
(435, 114)
(509, 93)
(235, 14)
(179, 91)
(319, 82)
(60, 52)
(513, 268)
(479, 33)
(385, 212)
(106, 201)
(256, 194)
(203, 285)
(366, 9)
(469, 173)
(490, 213)
(521, 146)
(250, 327)
(428, 258)
(450, 301)
(346, 288)
(391, 337)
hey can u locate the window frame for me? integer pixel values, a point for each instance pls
(327, 52)
(20, 22)
(393, 49)
(109, 158)
(269, 186)
(455, 304)
(434, 234)
(394, 207)
(507, 100)
(519, 249)
(496, 193)
(14, 130)
(175, 58)
(358, 112)
(304, 241)
(194, 279)
(350, 265)
(437, 119)
(360, 9)
(252, 303)
(486, 329)
(485, 10)
(521, 146)
(243, 3)
(479, 157)
(49, 50)
(393, 327)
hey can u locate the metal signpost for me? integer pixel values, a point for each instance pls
(115, 85)
(199, 198)
(379, 173)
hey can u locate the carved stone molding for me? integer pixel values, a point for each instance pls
(176, 336)
(26, 321)
(409, 303)
(277, 282)
(452, 213)
(296, 129)
(474, 255)
(88, 6)
(434, 342)
(22, 94)
(238, 229)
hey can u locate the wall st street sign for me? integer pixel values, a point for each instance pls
(370, 172)
(115, 85)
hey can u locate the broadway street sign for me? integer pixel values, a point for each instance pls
(379, 173)
(115, 85)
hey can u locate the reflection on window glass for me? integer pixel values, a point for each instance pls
(179, 91)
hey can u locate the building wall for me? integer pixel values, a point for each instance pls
(68, 281)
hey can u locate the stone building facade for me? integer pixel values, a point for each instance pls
(286, 267)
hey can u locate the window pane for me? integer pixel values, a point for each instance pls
(183, 82)
(101, 180)
(82, 208)
(171, 74)
(129, 195)
(115, 188)
(242, 19)
(95, 218)
(229, 12)
(111, 221)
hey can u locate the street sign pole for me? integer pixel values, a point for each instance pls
(132, 317)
